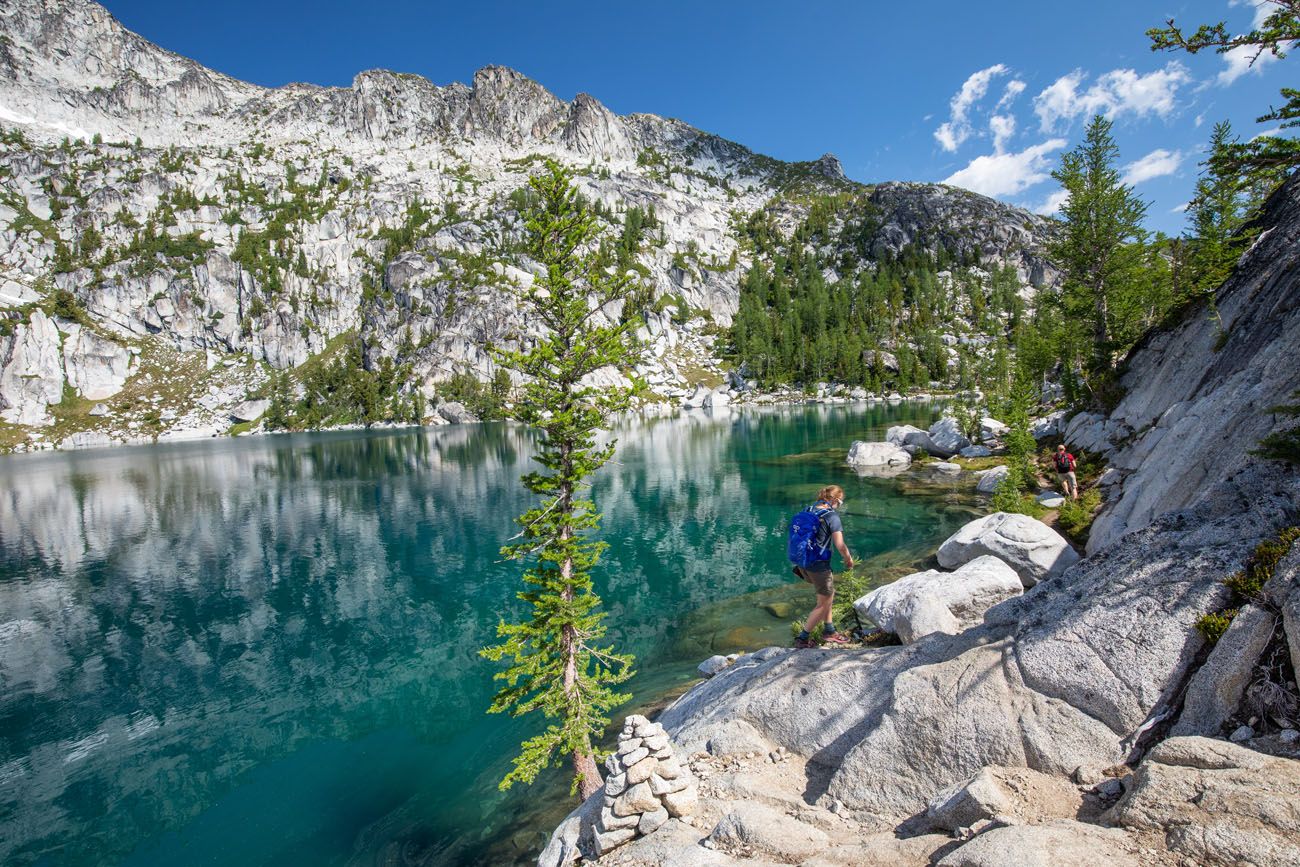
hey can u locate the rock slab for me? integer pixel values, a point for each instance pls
(1033, 549)
(1217, 803)
(964, 595)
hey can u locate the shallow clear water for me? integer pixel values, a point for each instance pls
(263, 651)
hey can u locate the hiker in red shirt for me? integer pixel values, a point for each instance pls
(1065, 471)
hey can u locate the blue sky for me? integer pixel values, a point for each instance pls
(984, 95)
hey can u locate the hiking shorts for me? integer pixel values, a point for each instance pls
(822, 579)
(1069, 481)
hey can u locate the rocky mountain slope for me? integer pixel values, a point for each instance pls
(151, 208)
(1078, 682)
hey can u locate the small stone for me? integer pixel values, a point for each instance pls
(616, 784)
(774, 756)
(665, 753)
(613, 765)
(610, 822)
(611, 840)
(1086, 776)
(649, 730)
(1289, 736)
(779, 610)
(1244, 733)
(1111, 788)
(712, 665)
(662, 787)
(669, 769)
(630, 745)
(634, 756)
(681, 803)
(658, 742)
(638, 799)
(651, 822)
(642, 770)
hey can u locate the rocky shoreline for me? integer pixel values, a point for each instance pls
(1083, 717)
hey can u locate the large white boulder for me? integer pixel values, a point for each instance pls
(31, 372)
(899, 433)
(911, 438)
(456, 413)
(249, 410)
(989, 479)
(863, 454)
(697, 398)
(1048, 425)
(991, 429)
(96, 367)
(717, 398)
(947, 438)
(964, 594)
(1030, 547)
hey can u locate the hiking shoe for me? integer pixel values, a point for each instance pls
(835, 638)
(803, 643)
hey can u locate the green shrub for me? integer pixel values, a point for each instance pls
(66, 306)
(1260, 565)
(1212, 626)
(1076, 517)
(1282, 444)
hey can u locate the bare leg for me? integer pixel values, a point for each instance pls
(820, 614)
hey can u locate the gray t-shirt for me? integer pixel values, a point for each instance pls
(829, 526)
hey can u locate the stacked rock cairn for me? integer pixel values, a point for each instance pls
(646, 785)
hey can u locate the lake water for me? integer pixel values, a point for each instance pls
(263, 651)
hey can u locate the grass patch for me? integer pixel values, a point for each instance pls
(975, 464)
(11, 436)
(241, 428)
(1075, 518)
(1247, 585)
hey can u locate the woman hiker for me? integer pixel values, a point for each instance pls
(830, 531)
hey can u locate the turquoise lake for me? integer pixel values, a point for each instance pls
(263, 651)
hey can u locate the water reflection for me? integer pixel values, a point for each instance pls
(210, 652)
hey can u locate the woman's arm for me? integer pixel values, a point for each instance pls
(838, 538)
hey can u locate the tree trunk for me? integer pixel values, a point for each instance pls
(584, 762)
(1101, 330)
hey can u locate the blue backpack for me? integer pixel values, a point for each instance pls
(802, 547)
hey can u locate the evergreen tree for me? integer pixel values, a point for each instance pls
(1099, 249)
(1266, 156)
(1216, 212)
(557, 664)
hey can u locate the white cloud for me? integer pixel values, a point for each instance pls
(1262, 10)
(1052, 203)
(957, 128)
(1180, 209)
(1005, 174)
(1242, 59)
(1003, 127)
(1248, 58)
(1268, 132)
(1015, 87)
(1157, 164)
(1120, 91)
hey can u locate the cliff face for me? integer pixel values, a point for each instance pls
(262, 226)
(1197, 395)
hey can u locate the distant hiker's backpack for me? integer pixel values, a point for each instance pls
(1064, 463)
(802, 546)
